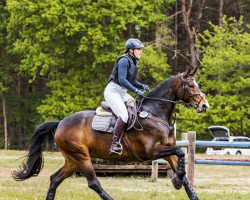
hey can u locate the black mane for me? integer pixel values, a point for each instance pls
(159, 89)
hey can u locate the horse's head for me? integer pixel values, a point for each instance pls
(189, 92)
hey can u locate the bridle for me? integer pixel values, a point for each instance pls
(186, 86)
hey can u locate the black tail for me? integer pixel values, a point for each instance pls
(34, 162)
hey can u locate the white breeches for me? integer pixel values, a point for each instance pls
(116, 96)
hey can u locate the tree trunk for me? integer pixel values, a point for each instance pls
(191, 33)
(5, 124)
(221, 12)
(20, 125)
(176, 35)
(198, 29)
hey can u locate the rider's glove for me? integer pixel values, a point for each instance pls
(145, 87)
(139, 92)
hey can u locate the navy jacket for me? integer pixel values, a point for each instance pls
(125, 73)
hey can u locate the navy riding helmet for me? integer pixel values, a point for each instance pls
(133, 44)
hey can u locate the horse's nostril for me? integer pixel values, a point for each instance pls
(204, 107)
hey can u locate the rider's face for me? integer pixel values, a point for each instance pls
(137, 53)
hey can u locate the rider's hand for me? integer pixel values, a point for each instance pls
(139, 93)
(145, 87)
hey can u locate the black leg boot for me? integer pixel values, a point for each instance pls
(116, 147)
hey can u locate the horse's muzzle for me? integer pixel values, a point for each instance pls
(203, 107)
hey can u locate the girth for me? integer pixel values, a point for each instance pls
(144, 114)
(160, 120)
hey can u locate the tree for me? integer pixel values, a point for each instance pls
(74, 44)
(190, 32)
(56, 55)
(4, 68)
(225, 78)
(18, 96)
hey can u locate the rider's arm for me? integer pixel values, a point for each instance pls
(123, 66)
(138, 84)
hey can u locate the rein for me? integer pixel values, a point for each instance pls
(175, 102)
(189, 105)
(150, 116)
(158, 99)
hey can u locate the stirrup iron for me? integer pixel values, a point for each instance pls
(119, 145)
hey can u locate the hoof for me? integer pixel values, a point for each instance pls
(177, 183)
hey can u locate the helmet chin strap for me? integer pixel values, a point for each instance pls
(133, 54)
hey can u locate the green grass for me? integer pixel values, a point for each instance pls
(211, 183)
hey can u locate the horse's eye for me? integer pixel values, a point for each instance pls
(191, 84)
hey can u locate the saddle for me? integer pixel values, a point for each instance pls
(105, 119)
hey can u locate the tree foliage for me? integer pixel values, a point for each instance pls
(56, 34)
(74, 43)
(225, 77)
(57, 55)
(5, 64)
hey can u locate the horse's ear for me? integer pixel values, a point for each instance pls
(187, 73)
(192, 73)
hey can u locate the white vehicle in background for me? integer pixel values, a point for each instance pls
(221, 133)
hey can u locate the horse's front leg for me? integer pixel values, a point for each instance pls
(173, 162)
(178, 165)
(176, 158)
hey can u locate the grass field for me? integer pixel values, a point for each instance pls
(211, 183)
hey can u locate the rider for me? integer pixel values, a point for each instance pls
(122, 79)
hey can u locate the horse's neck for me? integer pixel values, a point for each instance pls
(162, 109)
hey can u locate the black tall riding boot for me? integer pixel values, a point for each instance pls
(116, 147)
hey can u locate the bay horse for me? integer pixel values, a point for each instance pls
(78, 142)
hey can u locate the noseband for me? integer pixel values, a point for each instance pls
(193, 103)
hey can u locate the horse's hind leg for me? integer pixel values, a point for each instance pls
(57, 178)
(93, 183)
